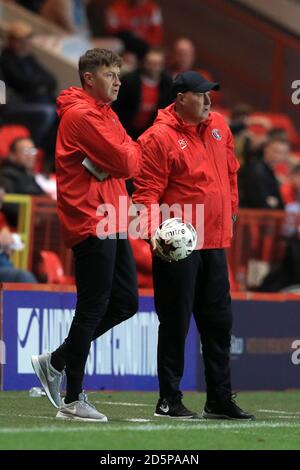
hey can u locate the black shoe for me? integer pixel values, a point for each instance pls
(225, 409)
(173, 408)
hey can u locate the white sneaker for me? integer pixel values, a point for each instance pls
(80, 410)
(49, 377)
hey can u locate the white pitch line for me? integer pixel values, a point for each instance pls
(280, 412)
(286, 417)
(120, 403)
(27, 416)
(101, 427)
(138, 420)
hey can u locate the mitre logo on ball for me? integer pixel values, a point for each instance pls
(175, 239)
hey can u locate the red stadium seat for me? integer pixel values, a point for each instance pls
(50, 269)
(282, 121)
(8, 134)
(39, 162)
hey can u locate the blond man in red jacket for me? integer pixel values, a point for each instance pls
(188, 159)
(94, 156)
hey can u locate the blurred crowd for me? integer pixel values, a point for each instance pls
(267, 145)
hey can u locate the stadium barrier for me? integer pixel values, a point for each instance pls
(259, 239)
(259, 242)
(265, 349)
(22, 205)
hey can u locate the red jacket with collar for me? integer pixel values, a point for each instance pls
(91, 129)
(188, 164)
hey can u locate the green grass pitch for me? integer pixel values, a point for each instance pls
(29, 423)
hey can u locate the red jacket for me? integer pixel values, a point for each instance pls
(91, 129)
(189, 164)
(145, 20)
(288, 192)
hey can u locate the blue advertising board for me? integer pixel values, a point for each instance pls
(265, 345)
(265, 350)
(35, 322)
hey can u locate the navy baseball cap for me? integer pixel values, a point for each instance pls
(192, 81)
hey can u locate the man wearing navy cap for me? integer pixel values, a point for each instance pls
(188, 158)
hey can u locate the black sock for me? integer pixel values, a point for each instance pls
(58, 358)
(74, 388)
(70, 398)
(57, 362)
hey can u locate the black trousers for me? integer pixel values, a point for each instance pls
(107, 294)
(197, 284)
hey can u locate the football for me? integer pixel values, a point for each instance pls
(175, 240)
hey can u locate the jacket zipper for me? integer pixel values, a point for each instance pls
(219, 178)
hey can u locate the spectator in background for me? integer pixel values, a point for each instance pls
(8, 273)
(183, 58)
(22, 72)
(287, 273)
(31, 88)
(239, 117)
(130, 62)
(250, 132)
(17, 169)
(142, 93)
(238, 121)
(137, 22)
(259, 187)
(290, 191)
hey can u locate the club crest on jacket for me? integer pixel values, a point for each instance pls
(216, 134)
(182, 143)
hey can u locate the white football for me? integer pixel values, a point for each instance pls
(175, 240)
